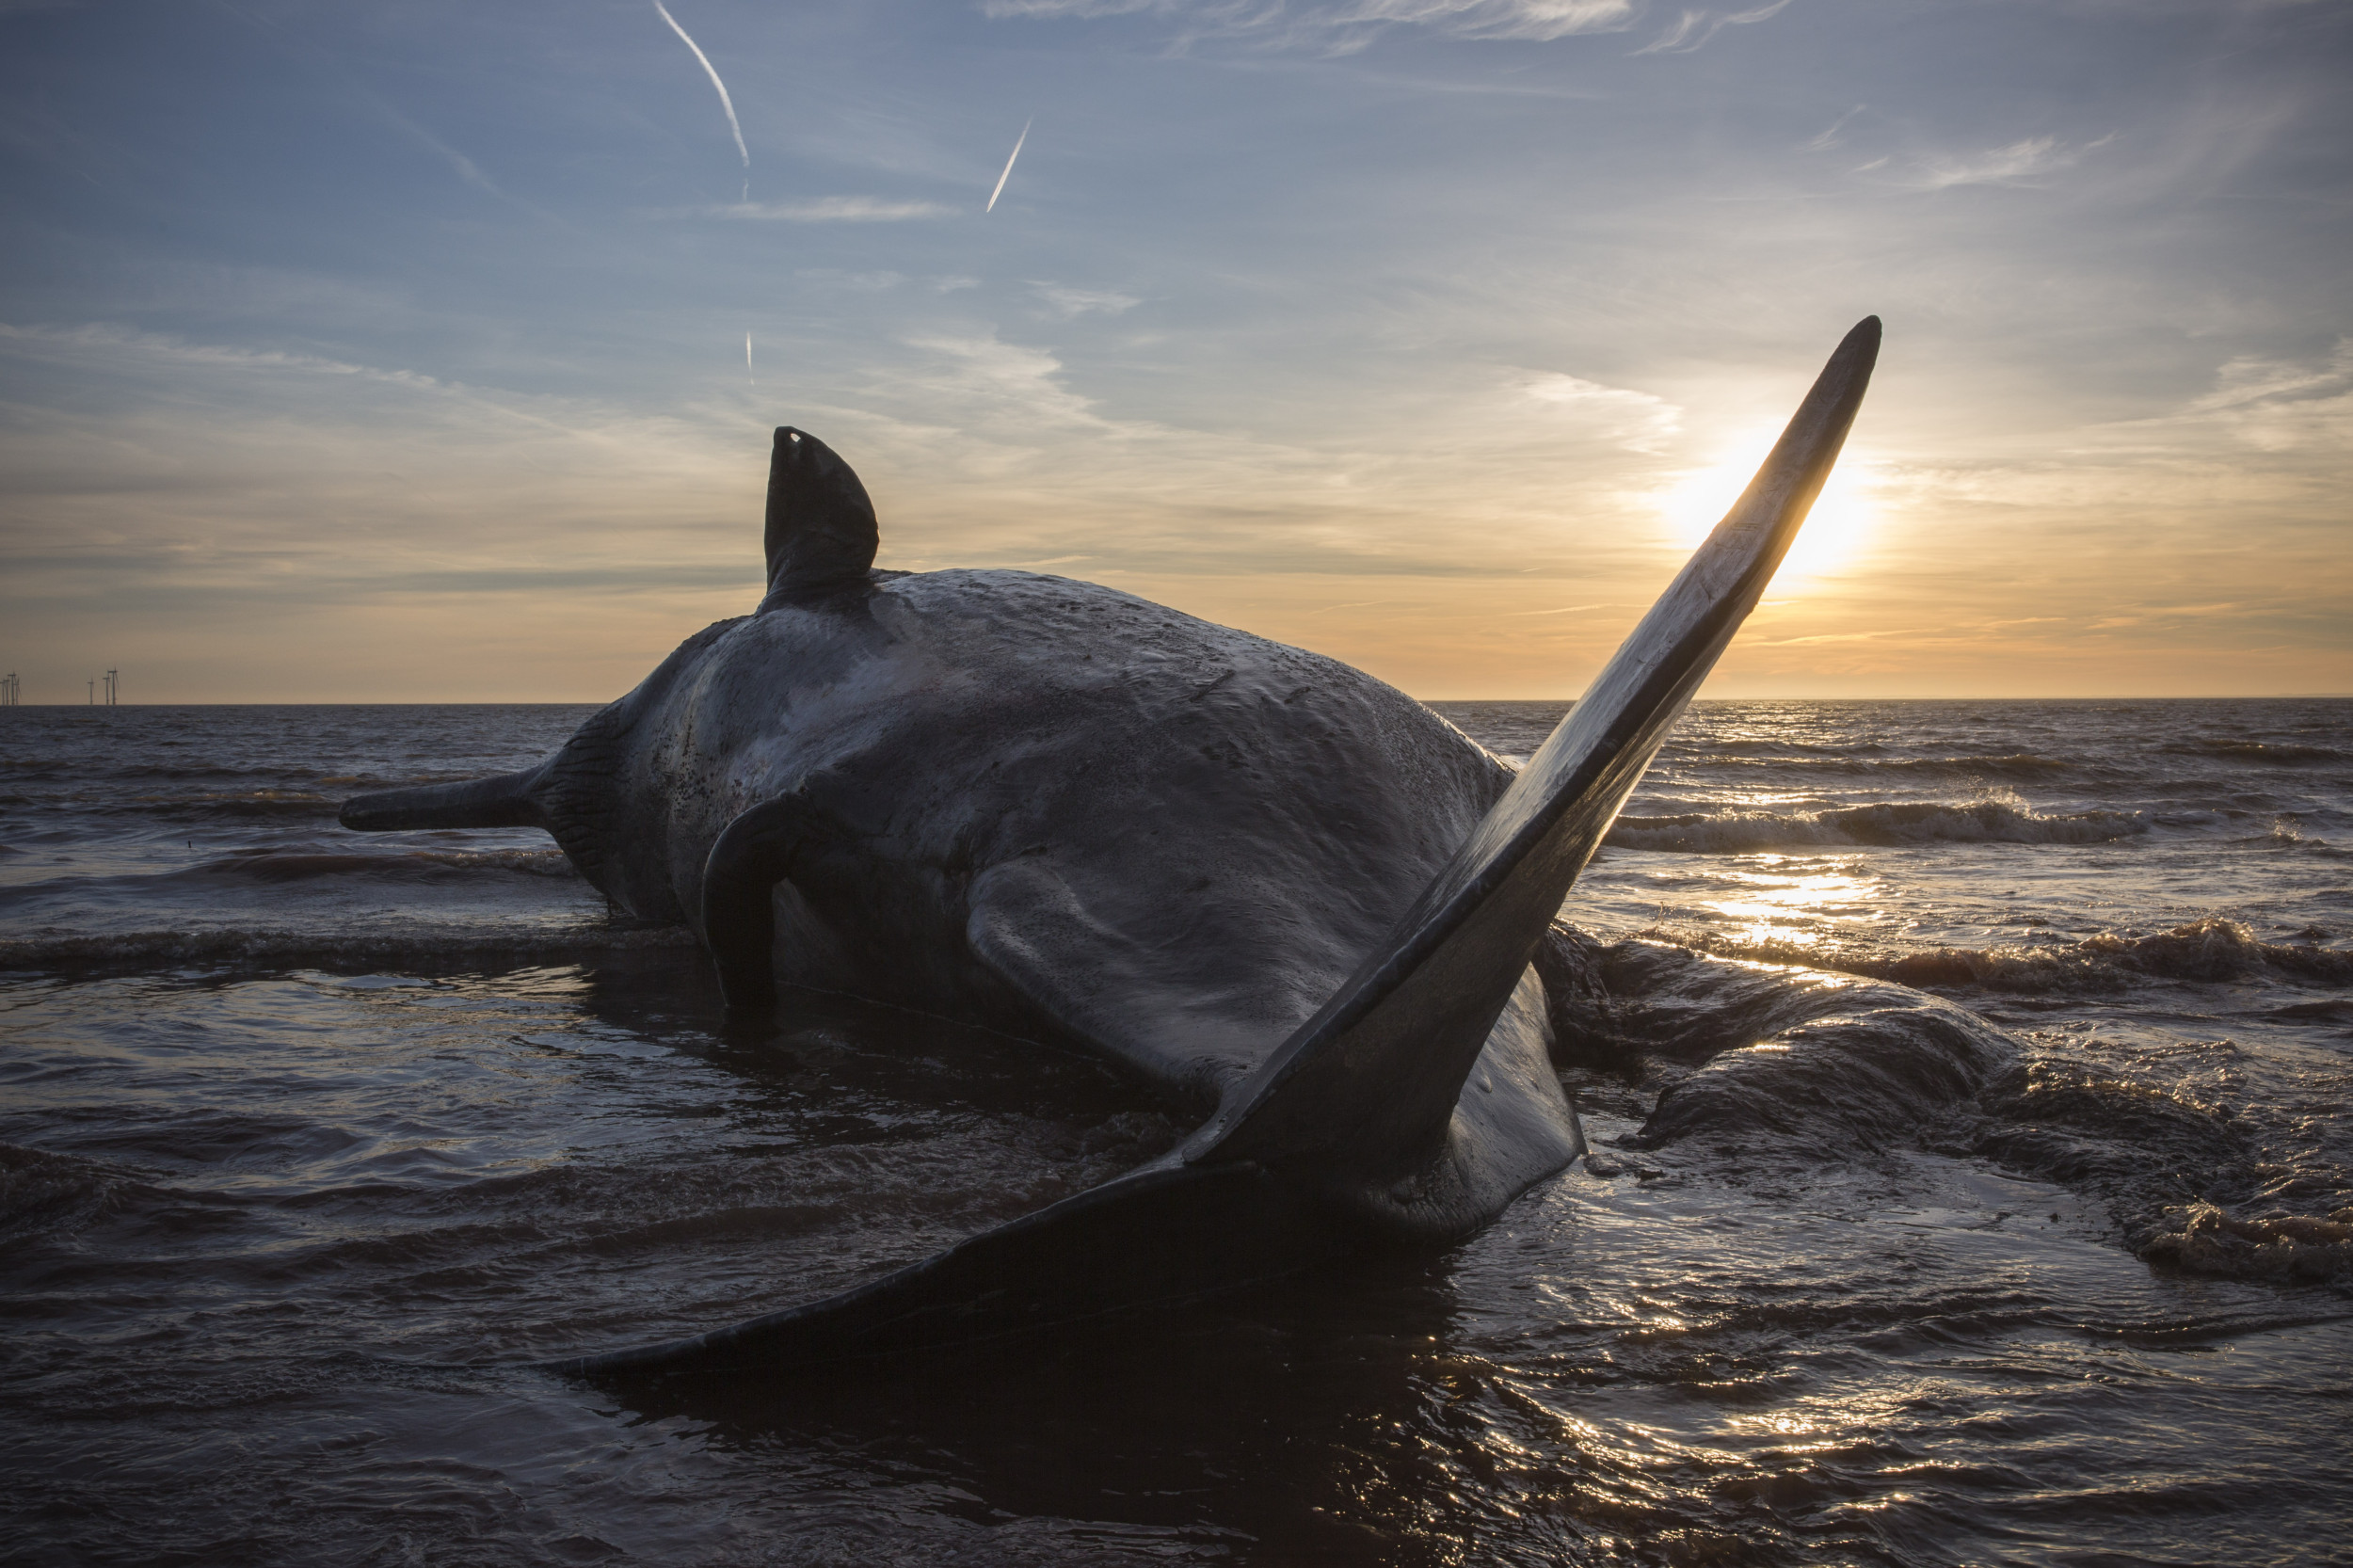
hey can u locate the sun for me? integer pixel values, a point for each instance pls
(1835, 530)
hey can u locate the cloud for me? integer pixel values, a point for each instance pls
(1010, 160)
(1694, 29)
(465, 168)
(824, 209)
(95, 340)
(1831, 137)
(1344, 26)
(2258, 455)
(297, 526)
(726, 102)
(2253, 379)
(2283, 406)
(1067, 304)
(1633, 420)
(2022, 163)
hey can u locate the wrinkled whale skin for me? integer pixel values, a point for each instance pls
(1045, 805)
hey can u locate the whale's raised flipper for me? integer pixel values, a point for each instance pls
(1363, 1124)
(1163, 1233)
(758, 850)
(1369, 1084)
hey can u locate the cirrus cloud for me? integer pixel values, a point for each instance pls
(824, 209)
(1348, 26)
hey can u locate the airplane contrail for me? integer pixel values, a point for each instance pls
(1008, 173)
(747, 360)
(725, 102)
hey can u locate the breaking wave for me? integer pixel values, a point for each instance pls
(2236, 1191)
(2207, 951)
(2197, 1176)
(1988, 820)
(2286, 834)
(2292, 1248)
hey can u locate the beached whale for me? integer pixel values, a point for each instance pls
(1257, 877)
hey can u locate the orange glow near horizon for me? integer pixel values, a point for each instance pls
(1835, 533)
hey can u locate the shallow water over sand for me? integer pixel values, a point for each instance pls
(310, 1143)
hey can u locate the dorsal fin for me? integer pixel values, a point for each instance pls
(1369, 1084)
(820, 534)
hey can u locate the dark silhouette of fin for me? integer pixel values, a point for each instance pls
(1369, 1085)
(739, 914)
(1188, 1018)
(1166, 1232)
(821, 534)
(506, 801)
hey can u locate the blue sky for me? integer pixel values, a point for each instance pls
(398, 352)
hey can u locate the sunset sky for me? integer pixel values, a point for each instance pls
(397, 352)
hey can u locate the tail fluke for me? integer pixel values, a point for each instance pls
(1165, 1233)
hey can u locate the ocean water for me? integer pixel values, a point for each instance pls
(311, 1143)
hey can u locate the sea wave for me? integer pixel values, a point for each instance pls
(1985, 821)
(1780, 748)
(42, 1192)
(416, 865)
(270, 772)
(2018, 764)
(2207, 951)
(2204, 1186)
(213, 805)
(2286, 834)
(269, 867)
(2277, 753)
(2198, 1176)
(2204, 1237)
(50, 953)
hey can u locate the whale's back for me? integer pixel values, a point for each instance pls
(1069, 811)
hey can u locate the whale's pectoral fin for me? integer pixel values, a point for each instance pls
(1068, 955)
(1024, 924)
(821, 534)
(738, 916)
(1166, 1232)
(1369, 1084)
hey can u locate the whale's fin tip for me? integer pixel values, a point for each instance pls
(821, 534)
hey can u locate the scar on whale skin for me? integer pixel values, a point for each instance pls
(1253, 876)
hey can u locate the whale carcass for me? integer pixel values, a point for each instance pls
(1258, 878)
